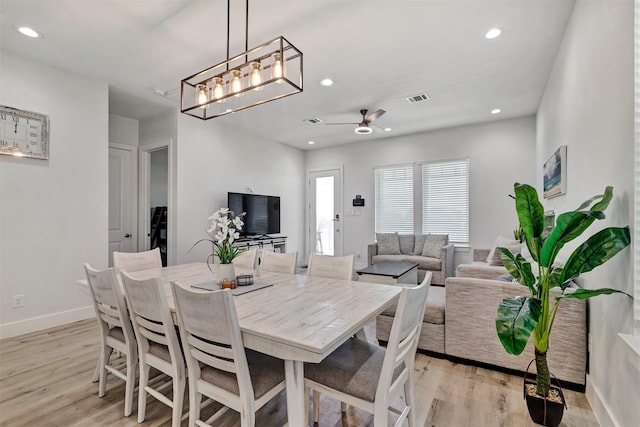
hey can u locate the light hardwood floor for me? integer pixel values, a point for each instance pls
(45, 380)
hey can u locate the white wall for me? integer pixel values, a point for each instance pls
(500, 153)
(123, 130)
(588, 105)
(213, 160)
(54, 212)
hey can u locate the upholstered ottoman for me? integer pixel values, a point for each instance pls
(432, 332)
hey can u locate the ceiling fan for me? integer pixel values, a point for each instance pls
(365, 127)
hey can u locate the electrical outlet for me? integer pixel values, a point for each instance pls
(18, 301)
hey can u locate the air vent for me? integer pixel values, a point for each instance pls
(313, 121)
(418, 98)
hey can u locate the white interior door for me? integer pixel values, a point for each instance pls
(325, 212)
(121, 194)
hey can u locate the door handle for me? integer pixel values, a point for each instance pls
(127, 235)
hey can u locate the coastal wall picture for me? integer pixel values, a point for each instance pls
(555, 173)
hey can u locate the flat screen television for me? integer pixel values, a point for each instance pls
(263, 213)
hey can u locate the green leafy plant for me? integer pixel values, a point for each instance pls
(517, 318)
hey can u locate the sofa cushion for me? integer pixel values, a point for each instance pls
(495, 256)
(388, 243)
(433, 245)
(424, 263)
(406, 243)
(434, 312)
(380, 258)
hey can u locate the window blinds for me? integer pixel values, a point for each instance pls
(445, 199)
(394, 199)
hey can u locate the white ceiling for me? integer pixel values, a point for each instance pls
(378, 52)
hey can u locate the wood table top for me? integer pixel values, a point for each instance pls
(299, 317)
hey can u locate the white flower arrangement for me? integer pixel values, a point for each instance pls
(224, 227)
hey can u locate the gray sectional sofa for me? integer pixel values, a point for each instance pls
(459, 323)
(411, 248)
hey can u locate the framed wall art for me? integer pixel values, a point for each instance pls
(24, 133)
(555, 173)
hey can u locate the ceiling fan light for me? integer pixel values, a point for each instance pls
(363, 129)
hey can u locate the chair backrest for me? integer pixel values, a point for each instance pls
(211, 334)
(246, 259)
(278, 262)
(403, 339)
(331, 267)
(150, 316)
(136, 261)
(108, 302)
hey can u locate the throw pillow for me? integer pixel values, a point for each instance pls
(417, 248)
(433, 245)
(495, 256)
(504, 278)
(388, 243)
(406, 243)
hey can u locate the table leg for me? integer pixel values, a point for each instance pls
(294, 379)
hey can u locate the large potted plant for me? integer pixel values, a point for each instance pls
(517, 318)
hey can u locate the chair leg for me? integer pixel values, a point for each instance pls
(247, 417)
(410, 399)
(316, 405)
(195, 400)
(343, 407)
(104, 360)
(142, 392)
(130, 385)
(178, 399)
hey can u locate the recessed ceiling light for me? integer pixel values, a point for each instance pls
(495, 111)
(387, 129)
(326, 82)
(311, 142)
(493, 33)
(29, 32)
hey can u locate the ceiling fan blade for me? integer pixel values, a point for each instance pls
(341, 123)
(377, 128)
(375, 115)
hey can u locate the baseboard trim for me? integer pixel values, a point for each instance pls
(39, 323)
(599, 407)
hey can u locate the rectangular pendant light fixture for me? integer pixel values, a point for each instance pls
(265, 73)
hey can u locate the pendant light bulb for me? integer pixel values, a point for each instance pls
(202, 97)
(255, 76)
(236, 82)
(277, 68)
(218, 89)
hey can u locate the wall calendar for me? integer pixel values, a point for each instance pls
(24, 133)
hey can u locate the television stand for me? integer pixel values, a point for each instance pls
(262, 243)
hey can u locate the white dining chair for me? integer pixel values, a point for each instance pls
(279, 263)
(116, 332)
(158, 345)
(246, 260)
(137, 261)
(370, 377)
(331, 267)
(219, 366)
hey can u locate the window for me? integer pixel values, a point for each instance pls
(424, 198)
(394, 199)
(445, 199)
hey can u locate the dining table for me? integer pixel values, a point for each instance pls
(298, 318)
